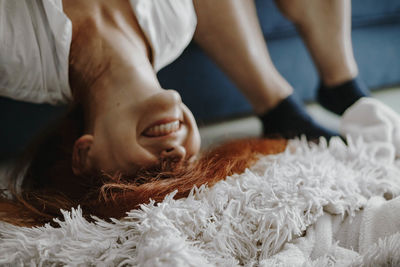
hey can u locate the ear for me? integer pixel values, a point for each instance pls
(81, 162)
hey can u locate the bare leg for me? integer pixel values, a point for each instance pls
(229, 32)
(325, 26)
(326, 29)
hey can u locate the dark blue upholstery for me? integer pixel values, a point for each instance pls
(211, 96)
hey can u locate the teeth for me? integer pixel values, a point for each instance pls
(163, 129)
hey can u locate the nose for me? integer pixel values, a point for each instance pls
(173, 94)
(175, 154)
(167, 99)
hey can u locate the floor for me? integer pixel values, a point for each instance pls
(251, 127)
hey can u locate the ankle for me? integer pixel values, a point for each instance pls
(266, 106)
(339, 75)
(340, 97)
(290, 119)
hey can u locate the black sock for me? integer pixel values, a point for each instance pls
(338, 98)
(290, 119)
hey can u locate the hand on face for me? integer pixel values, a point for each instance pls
(138, 133)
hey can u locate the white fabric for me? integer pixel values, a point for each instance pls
(374, 121)
(169, 26)
(381, 219)
(283, 211)
(35, 37)
(313, 205)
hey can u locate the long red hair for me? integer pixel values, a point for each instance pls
(50, 185)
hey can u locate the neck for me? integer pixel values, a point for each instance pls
(109, 53)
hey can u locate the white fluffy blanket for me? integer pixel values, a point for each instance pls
(313, 205)
(270, 214)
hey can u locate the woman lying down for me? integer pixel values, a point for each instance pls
(247, 202)
(295, 206)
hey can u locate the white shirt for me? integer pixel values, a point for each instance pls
(168, 25)
(35, 39)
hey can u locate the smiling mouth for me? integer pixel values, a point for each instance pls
(162, 129)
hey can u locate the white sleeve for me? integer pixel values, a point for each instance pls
(168, 25)
(35, 38)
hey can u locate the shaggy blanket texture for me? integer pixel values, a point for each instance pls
(288, 209)
(312, 205)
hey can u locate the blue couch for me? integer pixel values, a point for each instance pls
(211, 96)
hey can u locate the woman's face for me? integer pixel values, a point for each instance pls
(131, 123)
(139, 133)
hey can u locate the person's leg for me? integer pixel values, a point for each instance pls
(229, 32)
(325, 27)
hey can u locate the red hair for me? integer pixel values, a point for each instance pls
(50, 185)
(213, 166)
